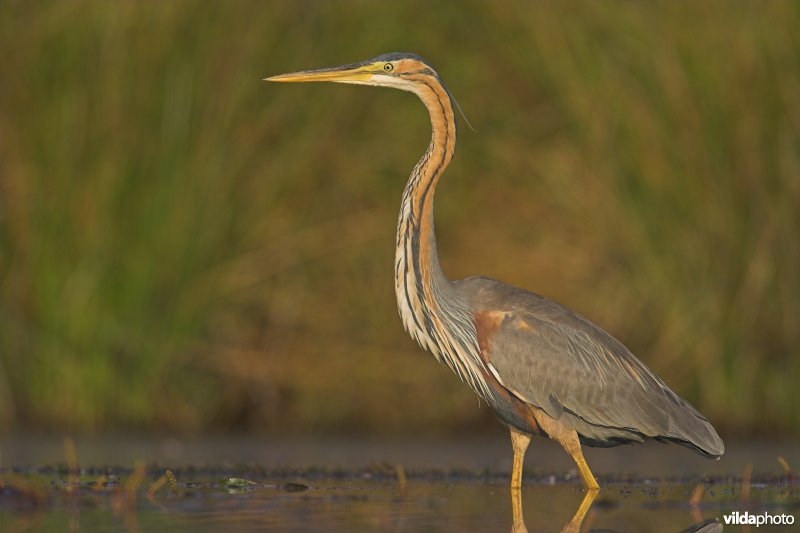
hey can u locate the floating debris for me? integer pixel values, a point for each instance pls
(293, 487)
(173, 483)
(239, 482)
(237, 485)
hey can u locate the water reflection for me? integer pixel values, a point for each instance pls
(377, 497)
(573, 526)
(576, 522)
(213, 500)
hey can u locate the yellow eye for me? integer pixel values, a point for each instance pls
(388, 67)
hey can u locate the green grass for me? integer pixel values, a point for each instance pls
(185, 247)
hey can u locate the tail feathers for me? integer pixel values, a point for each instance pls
(691, 429)
(692, 446)
(684, 426)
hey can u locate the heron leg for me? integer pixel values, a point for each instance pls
(519, 442)
(577, 455)
(516, 512)
(568, 439)
(573, 447)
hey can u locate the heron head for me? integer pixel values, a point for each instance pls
(404, 71)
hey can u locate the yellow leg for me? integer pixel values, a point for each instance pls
(568, 439)
(516, 512)
(574, 449)
(519, 442)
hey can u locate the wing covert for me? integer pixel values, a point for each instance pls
(563, 362)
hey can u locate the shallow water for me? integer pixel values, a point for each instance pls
(454, 485)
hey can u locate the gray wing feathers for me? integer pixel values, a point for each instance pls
(555, 359)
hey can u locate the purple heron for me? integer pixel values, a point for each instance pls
(543, 368)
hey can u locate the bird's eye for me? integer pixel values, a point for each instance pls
(388, 67)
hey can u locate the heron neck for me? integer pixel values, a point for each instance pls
(432, 311)
(422, 288)
(421, 187)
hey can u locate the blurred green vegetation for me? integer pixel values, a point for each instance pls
(184, 247)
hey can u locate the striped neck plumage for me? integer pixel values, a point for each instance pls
(431, 311)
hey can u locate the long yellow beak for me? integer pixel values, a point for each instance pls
(343, 74)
